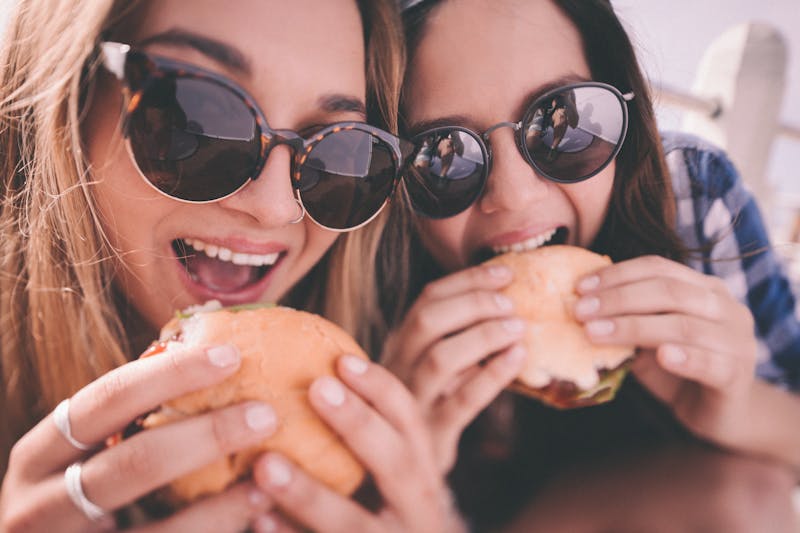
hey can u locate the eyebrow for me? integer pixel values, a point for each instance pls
(222, 53)
(236, 60)
(469, 121)
(334, 103)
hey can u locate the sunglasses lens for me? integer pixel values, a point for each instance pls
(346, 178)
(573, 134)
(193, 139)
(447, 174)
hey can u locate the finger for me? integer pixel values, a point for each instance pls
(426, 324)
(655, 295)
(451, 356)
(379, 388)
(662, 384)
(39, 507)
(717, 371)
(152, 458)
(312, 504)
(110, 403)
(638, 269)
(230, 511)
(481, 277)
(651, 331)
(457, 410)
(273, 523)
(398, 456)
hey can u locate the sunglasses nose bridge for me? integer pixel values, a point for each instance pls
(276, 138)
(516, 126)
(287, 137)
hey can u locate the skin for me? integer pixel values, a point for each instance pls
(295, 60)
(462, 313)
(458, 346)
(288, 76)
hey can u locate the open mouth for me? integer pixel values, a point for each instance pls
(548, 238)
(221, 269)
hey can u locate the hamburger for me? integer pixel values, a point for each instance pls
(564, 369)
(283, 351)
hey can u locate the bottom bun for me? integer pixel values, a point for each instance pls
(283, 351)
(564, 369)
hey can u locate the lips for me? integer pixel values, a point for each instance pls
(217, 271)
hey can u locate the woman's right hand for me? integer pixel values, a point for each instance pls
(456, 350)
(33, 497)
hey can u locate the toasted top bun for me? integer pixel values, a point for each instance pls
(283, 350)
(543, 292)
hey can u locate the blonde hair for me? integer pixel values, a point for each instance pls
(60, 324)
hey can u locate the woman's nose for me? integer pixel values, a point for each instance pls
(512, 183)
(269, 198)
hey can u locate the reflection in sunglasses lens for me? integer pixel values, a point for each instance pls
(447, 173)
(346, 178)
(193, 139)
(571, 134)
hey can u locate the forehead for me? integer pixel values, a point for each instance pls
(302, 43)
(477, 56)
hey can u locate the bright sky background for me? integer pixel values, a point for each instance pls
(672, 36)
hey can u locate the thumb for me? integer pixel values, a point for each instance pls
(654, 378)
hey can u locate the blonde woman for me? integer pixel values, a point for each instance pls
(149, 153)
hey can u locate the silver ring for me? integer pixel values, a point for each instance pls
(61, 420)
(302, 214)
(72, 479)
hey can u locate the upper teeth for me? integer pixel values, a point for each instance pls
(226, 254)
(529, 244)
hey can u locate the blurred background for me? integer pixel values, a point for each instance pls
(729, 71)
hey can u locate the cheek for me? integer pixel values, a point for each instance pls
(319, 239)
(592, 199)
(446, 241)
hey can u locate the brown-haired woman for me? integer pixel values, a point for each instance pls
(694, 286)
(159, 154)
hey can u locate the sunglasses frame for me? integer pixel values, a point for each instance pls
(115, 57)
(485, 145)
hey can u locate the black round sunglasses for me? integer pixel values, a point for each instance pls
(567, 135)
(196, 136)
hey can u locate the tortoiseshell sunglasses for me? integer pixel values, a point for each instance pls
(198, 137)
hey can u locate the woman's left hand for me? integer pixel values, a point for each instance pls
(696, 342)
(378, 419)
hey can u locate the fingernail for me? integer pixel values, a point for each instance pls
(354, 364)
(331, 390)
(266, 524)
(503, 303)
(257, 498)
(515, 355)
(589, 283)
(223, 356)
(499, 271)
(673, 356)
(260, 417)
(514, 325)
(587, 306)
(278, 471)
(600, 327)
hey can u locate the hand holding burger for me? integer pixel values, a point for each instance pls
(339, 416)
(563, 368)
(283, 351)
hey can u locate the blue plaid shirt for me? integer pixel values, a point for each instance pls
(717, 215)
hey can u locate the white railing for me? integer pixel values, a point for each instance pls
(735, 102)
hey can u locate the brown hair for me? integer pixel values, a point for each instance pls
(61, 324)
(642, 211)
(640, 221)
